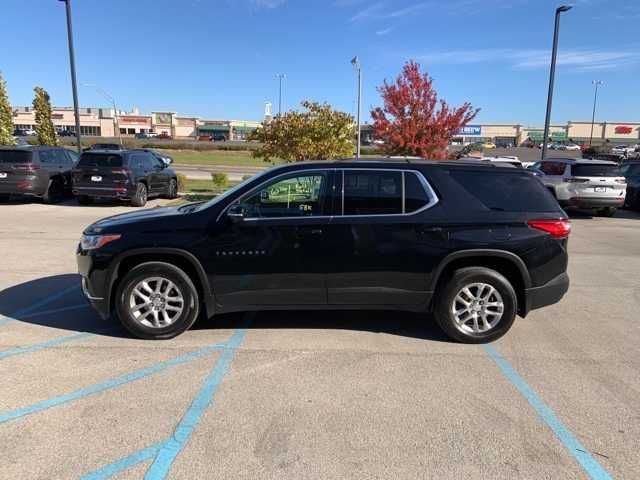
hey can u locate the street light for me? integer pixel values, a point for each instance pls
(595, 98)
(552, 72)
(72, 65)
(355, 61)
(280, 77)
(116, 123)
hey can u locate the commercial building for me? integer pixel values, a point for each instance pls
(102, 122)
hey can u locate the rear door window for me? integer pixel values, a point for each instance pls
(552, 168)
(508, 192)
(102, 160)
(415, 196)
(15, 156)
(595, 170)
(372, 192)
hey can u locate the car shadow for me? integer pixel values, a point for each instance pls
(68, 310)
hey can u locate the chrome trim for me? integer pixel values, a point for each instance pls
(423, 181)
(85, 290)
(404, 199)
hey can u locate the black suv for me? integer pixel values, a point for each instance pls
(38, 171)
(473, 243)
(132, 175)
(631, 172)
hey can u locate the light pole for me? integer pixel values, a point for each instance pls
(72, 65)
(280, 77)
(113, 102)
(355, 61)
(595, 99)
(552, 72)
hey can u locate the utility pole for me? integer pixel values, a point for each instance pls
(72, 64)
(355, 61)
(595, 99)
(116, 123)
(280, 77)
(552, 72)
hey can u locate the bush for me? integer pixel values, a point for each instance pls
(182, 182)
(246, 177)
(220, 180)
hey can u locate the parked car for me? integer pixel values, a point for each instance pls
(36, 171)
(631, 172)
(504, 159)
(164, 136)
(146, 135)
(19, 132)
(488, 145)
(490, 244)
(596, 185)
(162, 156)
(218, 137)
(128, 175)
(569, 146)
(66, 133)
(29, 132)
(623, 150)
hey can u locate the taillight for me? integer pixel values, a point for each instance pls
(576, 180)
(557, 228)
(28, 168)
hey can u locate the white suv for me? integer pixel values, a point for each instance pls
(591, 184)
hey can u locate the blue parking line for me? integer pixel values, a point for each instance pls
(107, 385)
(34, 306)
(571, 443)
(41, 346)
(124, 463)
(173, 446)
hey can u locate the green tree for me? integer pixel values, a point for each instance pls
(6, 116)
(44, 126)
(317, 133)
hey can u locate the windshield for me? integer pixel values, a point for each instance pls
(595, 170)
(228, 193)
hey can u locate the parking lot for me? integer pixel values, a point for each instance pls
(293, 395)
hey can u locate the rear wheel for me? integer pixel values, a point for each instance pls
(85, 200)
(139, 199)
(54, 192)
(156, 301)
(607, 212)
(477, 305)
(172, 191)
(4, 198)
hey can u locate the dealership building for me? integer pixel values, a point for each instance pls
(102, 122)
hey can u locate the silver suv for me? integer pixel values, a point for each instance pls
(590, 184)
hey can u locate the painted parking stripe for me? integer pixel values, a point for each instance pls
(570, 442)
(41, 346)
(107, 385)
(124, 463)
(35, 306)
(173, 446)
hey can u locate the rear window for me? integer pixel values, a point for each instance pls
(100, 160)
(15, 156)
(105, 146)
(507, 192)
(595, 170)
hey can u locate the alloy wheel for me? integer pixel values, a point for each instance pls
(156, 302)
(477, 308)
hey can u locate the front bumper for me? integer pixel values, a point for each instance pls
(93, 284)
(548, 294)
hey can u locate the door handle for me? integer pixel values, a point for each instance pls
(309, 231)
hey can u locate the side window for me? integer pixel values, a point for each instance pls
(73, 156)
(60, 157)
(46, 157)
(552, 168)
(302, 195)
(136, 161)
(149, 161)
(372, 192)
(415, 196)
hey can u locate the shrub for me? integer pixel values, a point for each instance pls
(182, 182)
(220, 180)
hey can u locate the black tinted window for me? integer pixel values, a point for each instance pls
(414, 192)
(552, 168)
(137, 161)
(105, 146)
(507, 192)
(595, 170)
(15, 156)
(100, 160)
(633, 169)
(372, 192)
(47, 156)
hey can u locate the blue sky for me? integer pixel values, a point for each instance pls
(219, 58)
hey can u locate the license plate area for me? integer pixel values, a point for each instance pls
(600, 189)
(96, 178)
(3, 175)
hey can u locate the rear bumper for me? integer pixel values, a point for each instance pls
(548, 294)
(593, 202)
(103, 192)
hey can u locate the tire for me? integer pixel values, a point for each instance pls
(607, 212)
(462, 330)
(4, 198)
(139, 199)
(85, 200)
(54, 192)
(172, 191)
(142, 321)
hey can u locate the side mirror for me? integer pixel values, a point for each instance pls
(168, 161)
(236, 213)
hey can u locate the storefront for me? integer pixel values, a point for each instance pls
(215, 129)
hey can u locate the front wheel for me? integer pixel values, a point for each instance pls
(156, 301)
(54, 192)
(477, 305)
(172, 191)
(607, 212)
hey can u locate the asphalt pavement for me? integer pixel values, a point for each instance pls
(315, 395)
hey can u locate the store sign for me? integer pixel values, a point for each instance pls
(133, 119)
(470, 130)
(623, 130)
(163, 119)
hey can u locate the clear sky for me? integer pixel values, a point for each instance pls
(219, 58)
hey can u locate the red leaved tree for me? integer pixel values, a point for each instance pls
(413, 121)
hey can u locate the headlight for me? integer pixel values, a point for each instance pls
(92, 242)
